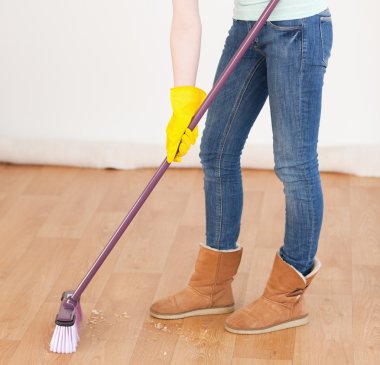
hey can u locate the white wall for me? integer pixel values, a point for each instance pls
(87, 83)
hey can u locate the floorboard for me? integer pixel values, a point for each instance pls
(54, 221)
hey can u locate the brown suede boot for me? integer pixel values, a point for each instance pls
(281, 305)
(209, 290)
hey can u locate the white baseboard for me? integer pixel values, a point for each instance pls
(361, 160)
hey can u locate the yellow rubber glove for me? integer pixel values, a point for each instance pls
(185, 101)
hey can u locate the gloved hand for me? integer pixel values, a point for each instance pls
(185, 101)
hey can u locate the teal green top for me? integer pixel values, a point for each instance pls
(285, 10)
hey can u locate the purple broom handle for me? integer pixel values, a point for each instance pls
(164, 165)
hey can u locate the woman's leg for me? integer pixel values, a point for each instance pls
(227, 126)
(295, 80)
(228, 123)
(297, 52)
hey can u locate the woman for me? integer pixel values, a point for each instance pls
(286, 62)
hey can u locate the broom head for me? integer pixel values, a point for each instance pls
(66, 333)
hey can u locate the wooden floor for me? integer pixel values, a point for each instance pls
(54, 221)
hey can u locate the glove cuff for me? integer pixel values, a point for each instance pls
(186, 99)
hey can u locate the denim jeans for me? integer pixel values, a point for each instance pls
(287, 62)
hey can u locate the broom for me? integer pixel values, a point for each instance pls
(66, 333)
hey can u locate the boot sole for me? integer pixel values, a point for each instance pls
(194, 313)
(281, 326)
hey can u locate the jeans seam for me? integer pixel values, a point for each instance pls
(305, 177)
(302, 46)
(305, 170)
(311, 210)
(248, 26)
(224, 139)
(300, 111)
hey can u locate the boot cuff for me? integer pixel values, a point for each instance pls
(238, 248)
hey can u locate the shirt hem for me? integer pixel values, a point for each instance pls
(254, 15)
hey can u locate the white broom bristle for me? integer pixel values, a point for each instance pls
(65, 338)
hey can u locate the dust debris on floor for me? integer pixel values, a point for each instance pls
(97, 317)
(121, 315)
(195, 337)
(160, 326)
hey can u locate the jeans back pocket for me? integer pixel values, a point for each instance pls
(326, 31)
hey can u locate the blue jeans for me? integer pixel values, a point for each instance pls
(287, 62)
